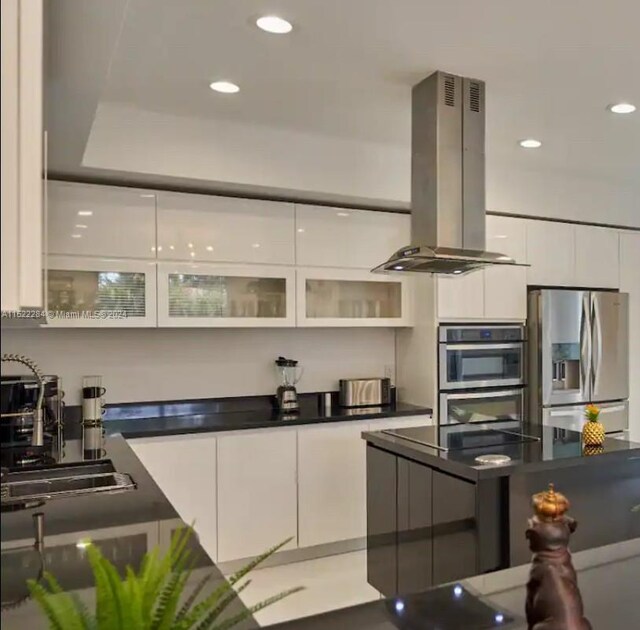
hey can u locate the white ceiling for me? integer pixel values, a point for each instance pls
(551, 67)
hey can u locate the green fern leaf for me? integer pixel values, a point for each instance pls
(256, 561)
(42, 597)
(191, 600)
(214, 614)
(106, 613)
(168, 600)
(88, 620)
(134, 589)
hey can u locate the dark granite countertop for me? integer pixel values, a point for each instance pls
(258, 412)
(124, 525)
(554, 448)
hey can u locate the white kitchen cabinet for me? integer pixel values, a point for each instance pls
(508, 236)
(495, 292)
(551, 252)
(630, 283)
(100, 292)
(505, 293)
(257, 491)
(178, 464)
(597, 257)
(225, 229)
(88, 220)
(340, 237)
(22, 209)
(350, 297)
(332, 483)
(461, 297)
(231, 296)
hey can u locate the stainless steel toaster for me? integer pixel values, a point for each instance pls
(365, 392)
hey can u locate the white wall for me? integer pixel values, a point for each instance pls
(285, 160)
(165, 364)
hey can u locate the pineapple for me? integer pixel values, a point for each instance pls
(592, 450)
(593, 431)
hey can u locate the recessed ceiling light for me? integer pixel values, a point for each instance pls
(274, 24)
(256, 245)
(81, 226)
(76, 236)
(193, 253)
(622, 108)
(190, 245)
(530, 143)
(342, 214)
(224, 87)
(398, 267)
(209, 248)
(85, 213)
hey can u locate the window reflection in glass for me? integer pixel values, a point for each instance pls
(98, 291)
(192, 295)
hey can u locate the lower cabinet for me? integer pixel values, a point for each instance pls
(257, 492)
(332, 483)
(247, 491)
(184, 467)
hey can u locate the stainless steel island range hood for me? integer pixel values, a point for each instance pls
(447, 180)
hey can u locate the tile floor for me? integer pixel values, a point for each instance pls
(330, 583)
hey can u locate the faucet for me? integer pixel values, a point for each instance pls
(37, 438)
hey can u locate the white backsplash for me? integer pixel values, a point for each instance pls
(173, 364)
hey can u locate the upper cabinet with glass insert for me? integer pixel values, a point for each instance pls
(209, 295)
(340, 237)
(93, 292)
(205, 228)
(350, 297)
(89, 220)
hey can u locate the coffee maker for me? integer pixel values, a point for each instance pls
(290, 373)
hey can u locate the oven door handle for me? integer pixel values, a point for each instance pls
(492, 394)
(484, 346)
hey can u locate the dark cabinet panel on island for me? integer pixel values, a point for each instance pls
(423, 525)
(415, 519)
(382, 521)
(454, 528)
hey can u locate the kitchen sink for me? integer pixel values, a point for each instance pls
(64, 481)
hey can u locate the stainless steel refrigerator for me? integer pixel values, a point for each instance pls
(578, 353)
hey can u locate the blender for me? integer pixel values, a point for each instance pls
(290, 373)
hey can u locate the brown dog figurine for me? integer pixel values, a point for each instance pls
(553, 598)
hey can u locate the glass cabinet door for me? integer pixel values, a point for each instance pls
(93, 292)
(212, 295)
(351, 298)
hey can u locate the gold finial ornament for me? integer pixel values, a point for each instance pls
(550, 505)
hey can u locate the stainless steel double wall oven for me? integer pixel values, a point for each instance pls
(481, 373)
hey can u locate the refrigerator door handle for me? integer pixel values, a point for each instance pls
(585, 348)
(596, 345)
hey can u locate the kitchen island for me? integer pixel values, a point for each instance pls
(435, 514)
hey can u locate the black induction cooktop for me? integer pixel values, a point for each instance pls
(457, 437)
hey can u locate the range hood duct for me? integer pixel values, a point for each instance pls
(447, 180)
